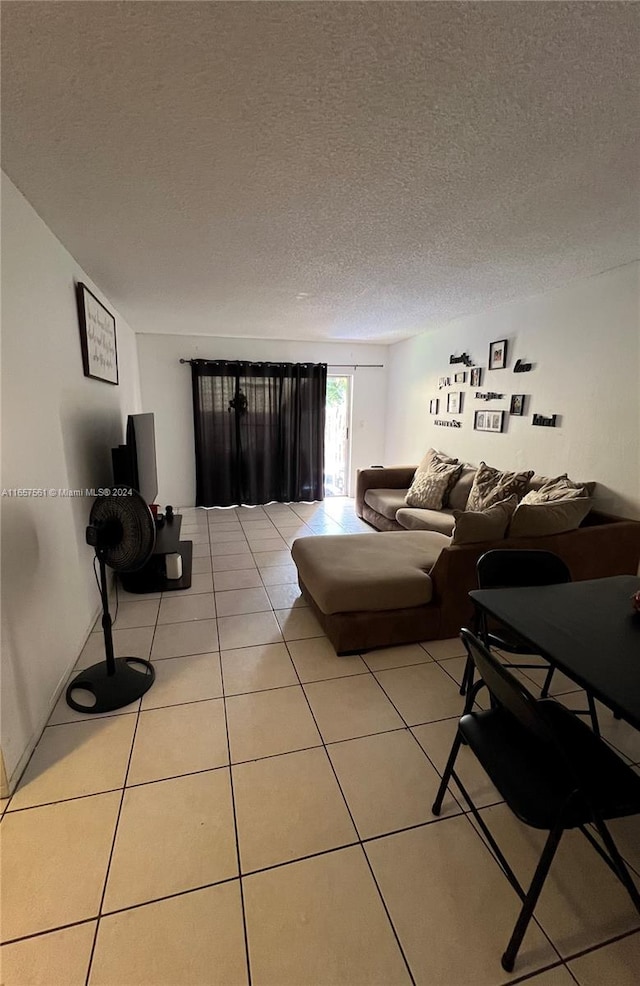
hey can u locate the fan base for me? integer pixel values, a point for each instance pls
(112, 691)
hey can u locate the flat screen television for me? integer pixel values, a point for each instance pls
(134, 464)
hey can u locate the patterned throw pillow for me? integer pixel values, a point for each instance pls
(492, 485)
(429, 490)
(483, 525)
(561, 488)
(432, 457)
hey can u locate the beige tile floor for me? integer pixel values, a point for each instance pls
(264, 815)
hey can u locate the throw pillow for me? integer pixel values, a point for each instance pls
(492, 485)
(430, 458)
(491, 524)
(430, 489)
(553, 517)
(561, 488)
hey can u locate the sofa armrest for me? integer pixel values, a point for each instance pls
(387, 478)
(593, 551)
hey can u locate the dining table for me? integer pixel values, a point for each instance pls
(588, 629)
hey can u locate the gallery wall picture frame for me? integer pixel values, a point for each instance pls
(488, 421)
(454, 402)
(475, 376)
(517, 404)
(498, 354)
(434, 404)
(460, 377)
(97, 337)
(444, 382)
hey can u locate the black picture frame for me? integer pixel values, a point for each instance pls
(460, 376)
(434, 403)
(98, 339)
(517, 404)
(475, 376)
(498, 354)
(488, 421)
(454, 402)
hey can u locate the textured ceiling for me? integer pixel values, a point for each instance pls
(325, 170)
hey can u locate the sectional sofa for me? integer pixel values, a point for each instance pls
(410, 582)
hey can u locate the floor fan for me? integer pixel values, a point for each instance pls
(122, 531)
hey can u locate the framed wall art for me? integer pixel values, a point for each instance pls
(97, 337)
(498, 355)
(488, 421)
(460, 377)
(433, 405)
(517, 404)
(454, 402)
(475, 377)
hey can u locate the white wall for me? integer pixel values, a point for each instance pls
(584, 342)
(58, 427)
(166, 390)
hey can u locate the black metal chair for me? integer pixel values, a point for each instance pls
(553, 772)
(503, 568)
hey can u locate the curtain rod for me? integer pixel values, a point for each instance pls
(341, 366)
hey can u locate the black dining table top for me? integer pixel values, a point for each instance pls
(587, 629)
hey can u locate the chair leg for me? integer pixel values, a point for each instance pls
(531, 899)
(618, 863)
(446, 777)
(547, 683)
(593, 713)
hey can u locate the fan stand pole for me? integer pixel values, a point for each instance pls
(114, 682)
(106, 618)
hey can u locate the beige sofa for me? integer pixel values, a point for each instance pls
(380, 500)
(377, 590)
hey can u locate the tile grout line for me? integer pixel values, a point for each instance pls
(355, 827)
(235, 830)
(120, 806)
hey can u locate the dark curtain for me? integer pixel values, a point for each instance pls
(259, 431)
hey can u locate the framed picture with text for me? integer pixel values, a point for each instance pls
(454, 403)
(498, 355)
(97, 337)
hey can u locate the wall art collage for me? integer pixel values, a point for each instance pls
(485, 418)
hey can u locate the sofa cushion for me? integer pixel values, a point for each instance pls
(386, 502)
(491, 524)
(561, 488)
(419, 519)
(459, 494)
(430, 458)
(491, 485)
(368, 571)
(553, 517)
(537, 482)
(430, 488)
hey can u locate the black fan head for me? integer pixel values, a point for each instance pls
(122, 530)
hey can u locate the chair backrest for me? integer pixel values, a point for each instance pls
(503, 568)
(507, 690)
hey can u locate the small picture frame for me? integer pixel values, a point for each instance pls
(460, 377)
(454, 402)
(517, 404)
(498, 355)
(434, 405)
(488, 421)
(444, 382)
(97, 337)
(475, 376)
